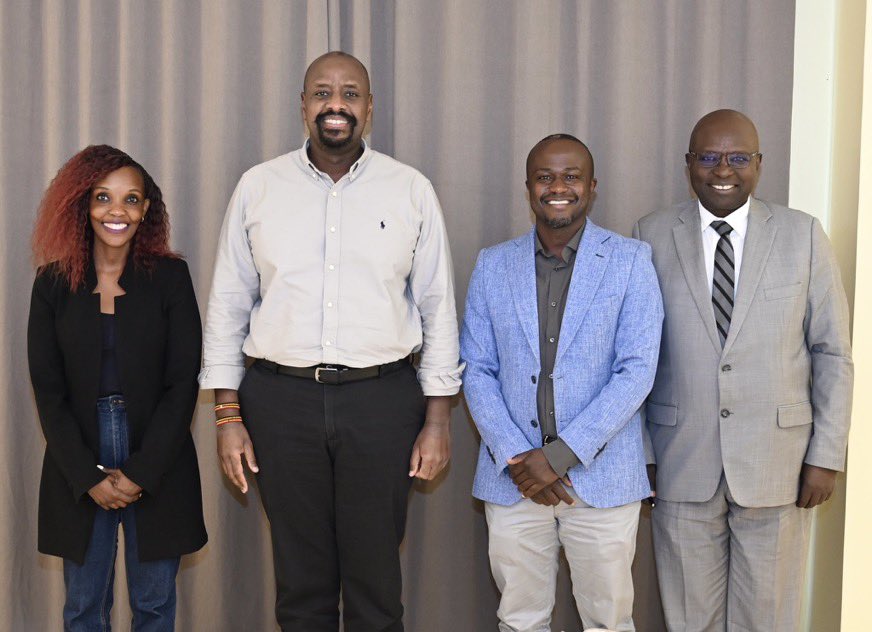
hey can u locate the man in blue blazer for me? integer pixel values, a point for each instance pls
(560, 339)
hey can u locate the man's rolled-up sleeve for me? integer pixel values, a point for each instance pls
(431, 282)
(235, 290)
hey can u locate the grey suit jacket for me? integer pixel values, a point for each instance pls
(779, 393)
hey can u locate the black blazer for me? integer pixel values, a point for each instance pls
(158, 342)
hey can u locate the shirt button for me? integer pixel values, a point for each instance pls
(551, 340)
(334, 194)
(314, 176)
(332, 229)
(533, 423)
(551, 375)
(331, 267)
(329, 304)
(725, 413)
(327, 343)
(726, 368)
(551, 413)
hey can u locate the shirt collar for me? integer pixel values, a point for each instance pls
(572, 245)
(356, 169)
(738, 219)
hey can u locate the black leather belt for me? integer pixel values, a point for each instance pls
(334, 373)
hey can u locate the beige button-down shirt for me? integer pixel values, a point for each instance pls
(356, 272)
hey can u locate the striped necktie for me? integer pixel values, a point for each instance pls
(723, 280)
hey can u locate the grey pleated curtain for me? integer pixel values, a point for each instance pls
(199, 91)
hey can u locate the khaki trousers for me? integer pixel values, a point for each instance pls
(524, 544)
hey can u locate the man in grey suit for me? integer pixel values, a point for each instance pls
(748, 418)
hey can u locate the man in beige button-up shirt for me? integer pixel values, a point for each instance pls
(333, 267)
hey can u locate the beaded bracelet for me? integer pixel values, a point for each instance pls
(228, 420)
(227, 406)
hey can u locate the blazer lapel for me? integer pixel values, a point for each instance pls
(523, 283)
(587, 275)
(758, 243)
(687, 233)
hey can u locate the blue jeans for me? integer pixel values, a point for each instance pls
(151, 585)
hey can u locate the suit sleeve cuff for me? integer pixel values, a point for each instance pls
(140, 474)
(834, 463)
(502, 453)
(560, 456)
(84, 485)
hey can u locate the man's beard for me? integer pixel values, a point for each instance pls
(561, 222)
(331, 141)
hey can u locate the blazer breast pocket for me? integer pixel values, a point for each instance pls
(794, 415)
(607, 301)
(661, 414)
(783, 291)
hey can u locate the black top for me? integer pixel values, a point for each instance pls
(158, 356)
(110, 381)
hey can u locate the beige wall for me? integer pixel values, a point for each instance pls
(858, 515)
(825, 180)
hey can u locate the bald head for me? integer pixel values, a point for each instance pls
(724, 161)
(336, 55)
(555, 138)
(725, 119)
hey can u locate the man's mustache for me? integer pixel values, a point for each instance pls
(352, 120)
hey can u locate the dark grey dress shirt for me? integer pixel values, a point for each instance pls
(553, 276)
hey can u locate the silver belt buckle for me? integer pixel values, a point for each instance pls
(320, 369)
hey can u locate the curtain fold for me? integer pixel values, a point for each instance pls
(199, 91)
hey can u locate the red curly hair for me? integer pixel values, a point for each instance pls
(63, 236)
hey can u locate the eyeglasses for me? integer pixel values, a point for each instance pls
(711, 159)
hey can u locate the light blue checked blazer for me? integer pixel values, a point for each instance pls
(606, 359)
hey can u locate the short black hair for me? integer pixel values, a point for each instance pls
(555, 137)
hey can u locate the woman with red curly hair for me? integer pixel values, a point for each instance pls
(114, 349)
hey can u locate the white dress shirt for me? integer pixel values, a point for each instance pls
(738, 221)
(356, 272)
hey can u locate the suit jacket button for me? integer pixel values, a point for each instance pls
(534, 423)
(726, 368)
(725, 413)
